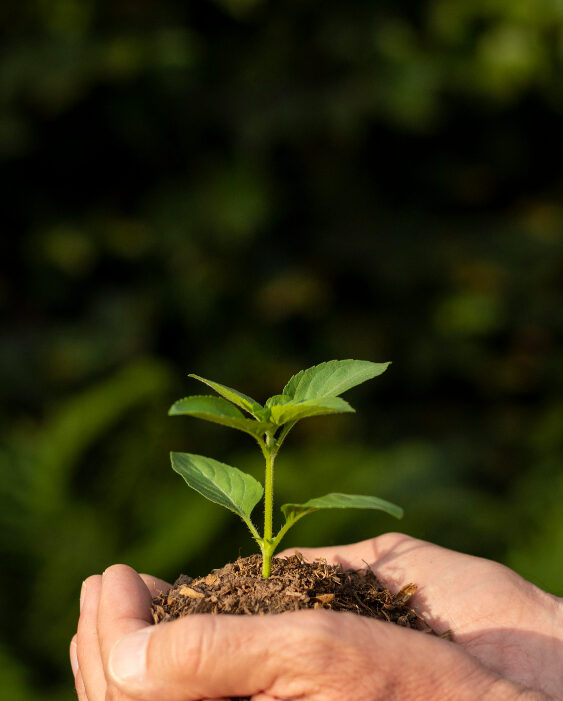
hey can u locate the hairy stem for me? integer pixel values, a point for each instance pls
(268, 546)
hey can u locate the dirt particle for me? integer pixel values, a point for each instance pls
(184, 590)
(325, 598)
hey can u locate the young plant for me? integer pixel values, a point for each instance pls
(311, 392)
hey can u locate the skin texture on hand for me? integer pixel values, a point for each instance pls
(509, 634)
(508, 624)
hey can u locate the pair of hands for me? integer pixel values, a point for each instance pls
(509, 635)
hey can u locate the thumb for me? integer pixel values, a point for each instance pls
(303, 654)
(203, 656)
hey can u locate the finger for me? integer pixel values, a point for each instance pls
(313, 553)
(204, 656)
(78, 682)
(349, 556)
(88, 651)
(305, 654)
(354, 555)
(73, 655)
(155, 585)
(80, 688)
(396, 558)
(125, 607)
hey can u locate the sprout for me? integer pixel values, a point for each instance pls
(312, 392)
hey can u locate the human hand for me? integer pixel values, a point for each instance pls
(508, 624)
(126, 608)
(318, 655)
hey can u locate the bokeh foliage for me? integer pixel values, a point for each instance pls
(242, 188)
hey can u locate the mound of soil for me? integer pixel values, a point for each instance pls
(238, 588)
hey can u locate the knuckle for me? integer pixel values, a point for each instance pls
(188, 647)
(326, 654)
(200, 641)
(316, 636)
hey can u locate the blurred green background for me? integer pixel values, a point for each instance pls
(242, 188)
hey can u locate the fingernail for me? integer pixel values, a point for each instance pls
(82, 594)
(128, 657)
(73, 657)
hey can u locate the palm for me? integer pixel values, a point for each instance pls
(502, 620)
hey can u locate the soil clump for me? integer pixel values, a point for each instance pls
(238, 588)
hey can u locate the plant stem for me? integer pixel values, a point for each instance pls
(268, 547)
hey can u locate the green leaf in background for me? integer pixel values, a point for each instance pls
(220, 483)
(293, 512)
(293, 410)
(218, 411)
(241, 400)
(332, 378)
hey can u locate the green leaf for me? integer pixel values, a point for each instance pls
(220, 483)
(293, 512)
(218, 411)
(332, 378)
(233, 395)
(277, 399)
(295, 410)
(264, 413)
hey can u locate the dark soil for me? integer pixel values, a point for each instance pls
(239, 589)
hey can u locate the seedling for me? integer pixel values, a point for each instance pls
(311, 392)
